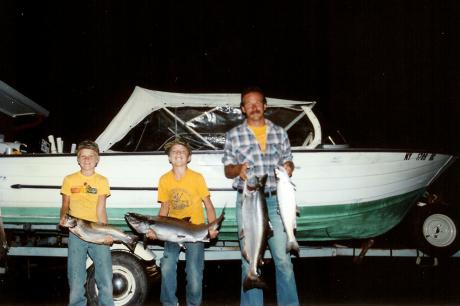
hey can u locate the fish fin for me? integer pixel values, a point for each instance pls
(222, 214)
(269, 230)
(241, 235)
(245, 255)
(269, 233)
(186, 219)
(131, 245)
(145, 240)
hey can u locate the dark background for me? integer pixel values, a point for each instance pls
(386, 73)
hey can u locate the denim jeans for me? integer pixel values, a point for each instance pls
(286, 289)
(76, 271)
(194, 257)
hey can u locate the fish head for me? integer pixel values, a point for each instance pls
(281, 173)
(137, 222)
(70, 221)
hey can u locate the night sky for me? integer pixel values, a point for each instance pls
(385, 73)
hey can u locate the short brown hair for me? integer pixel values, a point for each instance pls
(179, 141)
(252, 89)
(88, 144)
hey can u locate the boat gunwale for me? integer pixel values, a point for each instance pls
(220, 151)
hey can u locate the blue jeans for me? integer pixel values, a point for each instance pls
(194, 257)
(286, 289)
(76, 271)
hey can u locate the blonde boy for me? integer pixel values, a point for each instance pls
(182, 192)
(84, 195)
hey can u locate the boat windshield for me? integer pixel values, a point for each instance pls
(205, 127)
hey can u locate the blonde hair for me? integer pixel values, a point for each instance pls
(87, 144)
(179, 141)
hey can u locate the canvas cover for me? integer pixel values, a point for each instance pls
(143, 102)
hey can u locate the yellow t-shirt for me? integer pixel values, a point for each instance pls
(84, 192)
(185, 195)
(261, 135)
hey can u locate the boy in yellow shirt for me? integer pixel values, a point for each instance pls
(181, 193)
(84, 195)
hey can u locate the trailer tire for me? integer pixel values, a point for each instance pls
(436, 229)
(130, 285)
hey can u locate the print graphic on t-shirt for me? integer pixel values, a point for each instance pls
(86, 188)
(90, 189)
(180, 198)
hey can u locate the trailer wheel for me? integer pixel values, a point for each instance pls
(130, 286)
(436, 229)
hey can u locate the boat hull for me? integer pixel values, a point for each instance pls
(345, 194)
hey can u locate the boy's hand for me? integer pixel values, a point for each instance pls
(213, 233)
(108, 240)
(62, 222)
(151, 234)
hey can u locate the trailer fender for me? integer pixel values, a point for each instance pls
(143, 253)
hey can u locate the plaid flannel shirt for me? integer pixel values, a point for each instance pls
(241, 146)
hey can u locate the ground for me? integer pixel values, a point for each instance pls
(321, 281)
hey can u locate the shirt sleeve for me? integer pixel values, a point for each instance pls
(286, 147)
(229, 157)
(105, 187)
(162, 191)
(65, 188)
(202, 187)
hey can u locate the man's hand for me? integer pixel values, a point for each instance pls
(151, 234)
(244, 171)
(232, 171)
(289, 167)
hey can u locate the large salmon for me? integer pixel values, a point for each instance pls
(255, 229)
(97, 233)
(173, 229)
(285, 191)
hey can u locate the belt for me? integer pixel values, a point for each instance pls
(267, 194)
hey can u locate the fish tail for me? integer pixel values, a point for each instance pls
(253, 281)
(216, 224)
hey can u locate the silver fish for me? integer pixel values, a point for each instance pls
(255, 230)
(96, 233)
(173, 229)
(285, 191)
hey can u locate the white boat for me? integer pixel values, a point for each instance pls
(342, 192)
